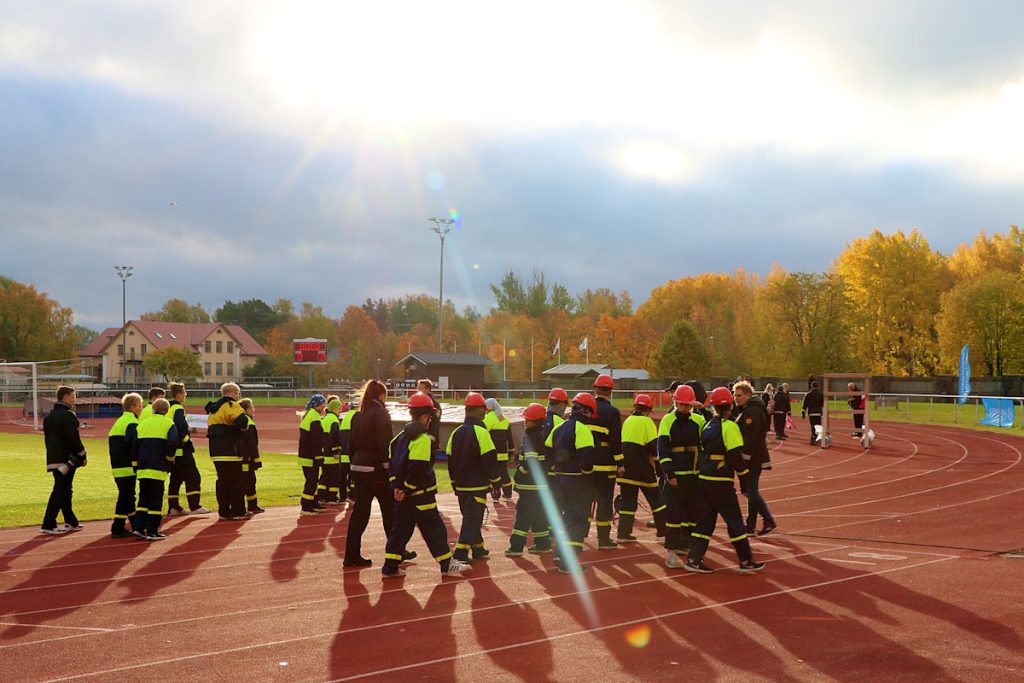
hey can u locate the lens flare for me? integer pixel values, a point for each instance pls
(453, 213)
(639, 636)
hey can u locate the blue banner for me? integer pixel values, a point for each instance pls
(965, 373)
(999, 412)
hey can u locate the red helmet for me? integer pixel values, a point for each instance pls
(586, 400)
(604, 382)
(474, 400)
(420, 400)
(535, 411)
(643, 400)
(684, 394)
(721, 396)
(558, 394)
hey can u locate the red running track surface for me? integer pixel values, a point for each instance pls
(884, 567)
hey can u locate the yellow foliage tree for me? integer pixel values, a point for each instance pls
(988, 312)
(894, 282)
(986, 254)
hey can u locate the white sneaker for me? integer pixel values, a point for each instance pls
(69, 528)
(672, 560)
(199, 511)
(176, 512)
(393, 575)
(58, 531)
(456, 567)
(308, 513)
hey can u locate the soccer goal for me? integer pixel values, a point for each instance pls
(862, 384)
(28, 388)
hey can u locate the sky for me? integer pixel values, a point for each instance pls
(263, 149)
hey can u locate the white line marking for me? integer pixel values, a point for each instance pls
(72, 628)
(839, 559)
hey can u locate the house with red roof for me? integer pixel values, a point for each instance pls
(117, 354)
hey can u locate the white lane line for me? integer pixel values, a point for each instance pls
(71, 628)
(839, 559)
(387, 624)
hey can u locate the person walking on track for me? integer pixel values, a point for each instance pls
(472, 460)
(752, 418)
(414, 487)
(607, 428)
(814, 403)
(571, 445)
(679, 448)
(65, 453)
(532, 484)
(501, 434)
(640, 452)
(721, 460)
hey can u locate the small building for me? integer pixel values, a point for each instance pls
(445, 370)
(223, 351)
(578, 372)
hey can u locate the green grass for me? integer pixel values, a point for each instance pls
(25, 484)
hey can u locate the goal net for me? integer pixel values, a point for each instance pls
(28, 389)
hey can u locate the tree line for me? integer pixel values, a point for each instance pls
(889, 304)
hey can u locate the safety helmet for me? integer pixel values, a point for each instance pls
(643, 400)
(474, 400)
(684, 394)
(535, 411)
(586, 400)
(604, 382)
(721, 396)
(420, 400)
(558, 394)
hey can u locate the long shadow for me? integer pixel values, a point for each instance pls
(25, 548)
(182, 561)
(91, 582)
(309, 537)
(494, 626)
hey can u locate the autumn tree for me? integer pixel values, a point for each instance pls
(173, 363)
(986, 254)
(894, 282)
(178, 311)
(680, 353)
(803, 324)
(32, 325)
(359, 345)
(255, 316)
(988, 312)
(533, 298)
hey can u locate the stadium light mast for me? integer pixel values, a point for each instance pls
(441, 227)
(124, 272)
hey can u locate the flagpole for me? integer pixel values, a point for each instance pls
(531, 360)
(504, 354)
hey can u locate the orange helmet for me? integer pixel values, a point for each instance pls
(721, 396)
(535, 411)
(558, 394)
(474, 400)
(586, 400)
(684, 394)
(643, 400)
(604, 382)
(420, 400)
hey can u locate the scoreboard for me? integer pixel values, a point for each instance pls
(309, 351)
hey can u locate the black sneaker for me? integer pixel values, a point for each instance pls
(541, 550)
(480, 553)
(697, 567)
(155, 536)
(767, 529)
(751, 567)
(625, 538)
(408, 555)
(357, 562)
(607, 544)
(121, 534)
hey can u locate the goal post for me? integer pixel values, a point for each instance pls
(863, 383)
(19, 393)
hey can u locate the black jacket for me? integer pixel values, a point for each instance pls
(370, 438)
(63, 442)
(814, 401)
(753, 421)
(782, 402)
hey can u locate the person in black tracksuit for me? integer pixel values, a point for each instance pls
(858, 404)
(532, 484)
(781, 411)
(752, 418)
(251, 457)
(607, 428)
(472, 465)
(65, 453)
(369, 441)
(184, 469)
(121, 444)
(814, 403)
(414, 486)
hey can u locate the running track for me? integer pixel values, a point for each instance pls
(885, 567)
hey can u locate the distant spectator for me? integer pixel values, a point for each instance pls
(65, 453)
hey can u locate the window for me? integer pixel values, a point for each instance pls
(120, 349)
(206, 346)
(220, 369)
(220, 346)
(172, 335)
(206, 368)
(231, 348)
(128, 370)
(159, 336)
(143, 349)
(231, 369)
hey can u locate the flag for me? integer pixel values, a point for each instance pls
(558, 347)
(965, 373)
(583, 344)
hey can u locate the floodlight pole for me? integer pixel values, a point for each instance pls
(441, 227)
(124, 272)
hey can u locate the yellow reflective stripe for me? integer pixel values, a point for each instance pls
(619, 457)
(739, 538)
(576, 544)
(717, 458)
(631, 513)
(245, 467)
(462, 546)
(119, 472)
(482, 501)
(658, 509)
(431, 506)
(345, 460)
(469, 489)
(226, 458)
(442, 558)
(673, 525)
(530, 487)
(332, 461)
(307, 496)
(250, 497)
(502, 457)
(159, 475)
(696, 535)
(634, 482)
(605, 468)
(710, 478)
(306, 462)
(743, 472)
(393, 556)
(518, 532)
(599, 523)
(598, 428)
(684, 449)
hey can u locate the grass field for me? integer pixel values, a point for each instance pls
(25, 484)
